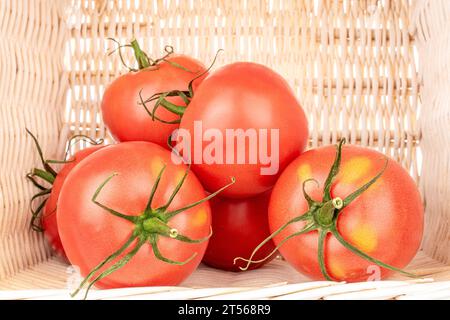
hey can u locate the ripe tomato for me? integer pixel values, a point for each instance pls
(343, 235)
(49, 223)
(126, 214)
(127, 120)
(245, 96)
(239, 225)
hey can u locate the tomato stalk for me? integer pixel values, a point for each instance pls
(322, 216)
(141, 56)
(48, 175)
(151, 224)
(161, 100)
(143, 60)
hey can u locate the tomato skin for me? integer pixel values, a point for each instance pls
(245, 96)
(127, 120)
(49, 223)
(90, 234)
(239, 225)
(386, 221)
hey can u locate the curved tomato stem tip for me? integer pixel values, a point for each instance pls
(32, 179)
(309, 200)
(191, 83)
(36, 213)
(119, 50)
(183, 238)
(103, 263)
(113, 212)
(116, 266)
(250, 261)
(48, 174)
(45, 164)
(78, 138)
(154, 243)
(173, 213)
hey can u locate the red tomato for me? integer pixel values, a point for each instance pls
(384, 222)
(239, 225)
(127, 120)
(105, 205)
(48, 221)
(244, 96)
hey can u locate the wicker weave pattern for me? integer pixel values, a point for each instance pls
(31, 95)
(432, 19)
(351, 63)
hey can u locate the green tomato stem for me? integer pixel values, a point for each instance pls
(141, 57)
(44, 175)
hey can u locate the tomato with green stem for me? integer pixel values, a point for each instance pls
(49, 182)
(362, 219)
(239, 225)
(122, 114)
(128, 216)
(243, 121)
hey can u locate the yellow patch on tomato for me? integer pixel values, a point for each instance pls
(180, 174)
(199, 218)
(355, 170)
(364, 238)
(304, 172)
(156, 166)
(337, 270)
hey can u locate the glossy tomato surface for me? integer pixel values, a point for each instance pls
(127, 120)
(385, 221)
(239, 225)
(90, 233)
(253, 99)
(49, 223)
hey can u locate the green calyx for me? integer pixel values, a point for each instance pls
(161, 99)
(325, 214)
(149, 225)
(44, 178)
(142, 59)
(322, 217)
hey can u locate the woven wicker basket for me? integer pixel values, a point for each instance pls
(376, 72)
